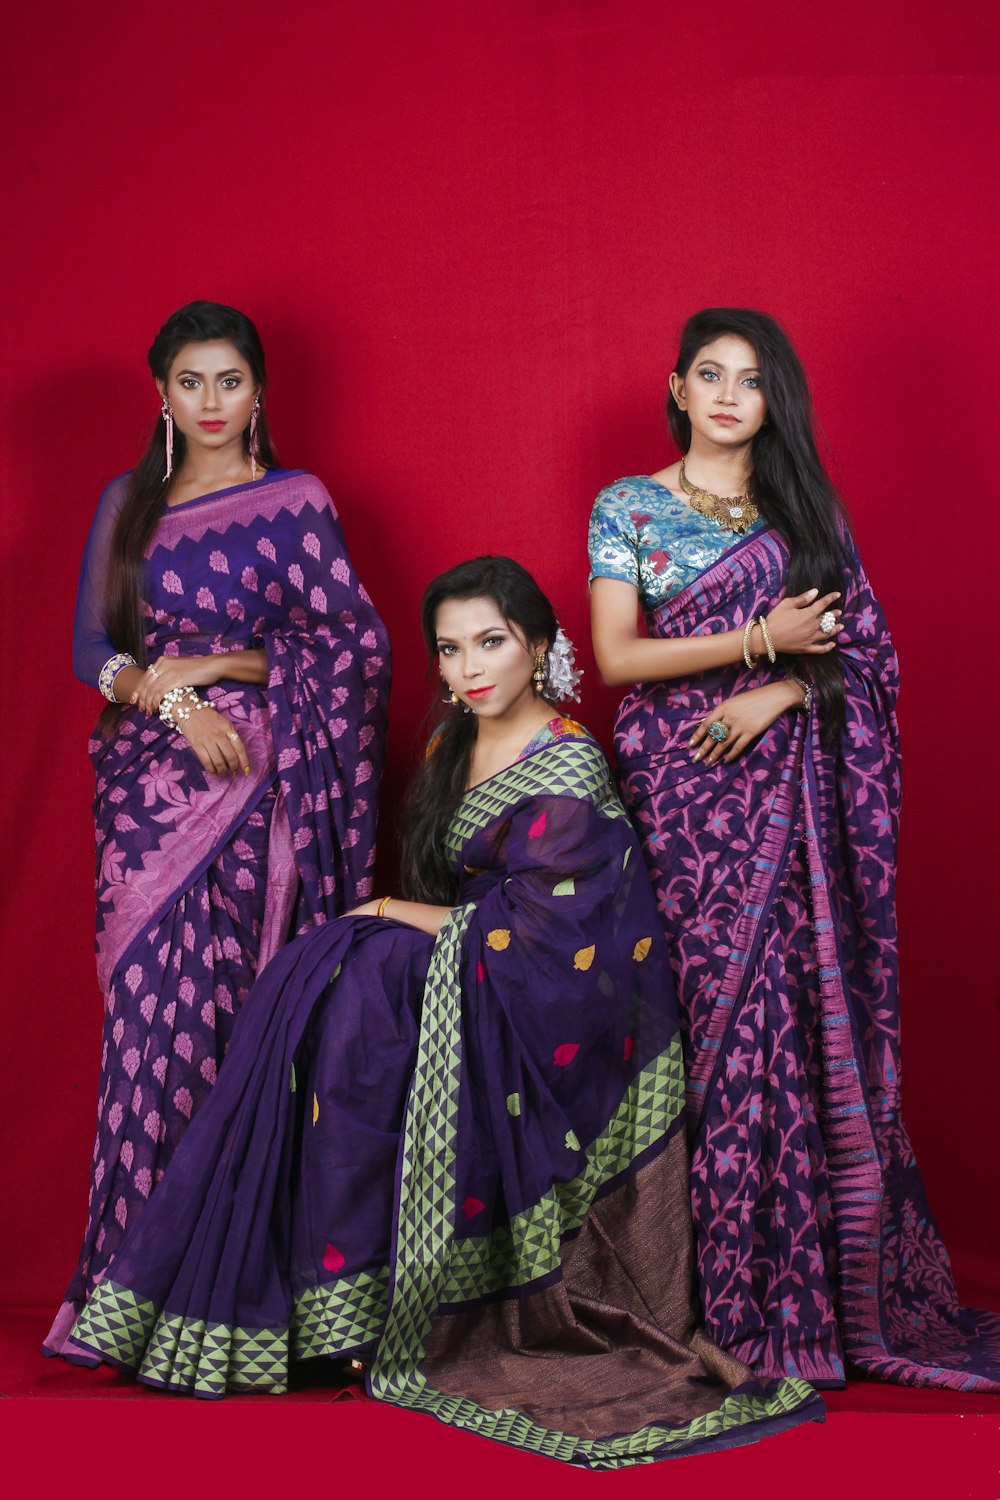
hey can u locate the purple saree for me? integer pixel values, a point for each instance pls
(201, 878)
(460, 1160)
(775, 879)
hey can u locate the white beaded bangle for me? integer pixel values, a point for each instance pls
(179, 704)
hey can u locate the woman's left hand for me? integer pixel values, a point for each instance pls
(170, 672)
(745, 717)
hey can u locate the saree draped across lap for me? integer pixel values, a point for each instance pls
(461, 1160)
(775, 878)
(201, 878)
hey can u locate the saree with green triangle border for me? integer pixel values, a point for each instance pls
(460, 1161)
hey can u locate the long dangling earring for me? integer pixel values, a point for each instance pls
(168, 417)
(538, 675)
(254, 448)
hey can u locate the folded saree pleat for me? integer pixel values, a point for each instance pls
(462, 1160)
(775, 880)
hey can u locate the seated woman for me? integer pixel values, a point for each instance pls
(448, 1138)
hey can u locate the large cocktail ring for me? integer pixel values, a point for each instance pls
(828, 622)
(718, 731)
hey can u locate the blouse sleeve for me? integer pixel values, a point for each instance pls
(613, 540)
(92, 645)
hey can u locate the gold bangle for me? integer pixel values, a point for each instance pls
(765, 636)
(748, 655)
(380, 909)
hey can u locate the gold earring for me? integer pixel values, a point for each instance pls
(538, 675)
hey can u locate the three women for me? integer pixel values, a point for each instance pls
(422, 1169)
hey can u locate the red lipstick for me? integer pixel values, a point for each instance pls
(212, 426)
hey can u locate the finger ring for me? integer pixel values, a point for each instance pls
(828, 622)
(232, 735)
(718, 731)
(153, 672)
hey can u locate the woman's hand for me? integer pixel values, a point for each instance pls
(794, 625)
(746, 716)
(170, 672)
(215, 742)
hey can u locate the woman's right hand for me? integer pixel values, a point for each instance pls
(215, 742)
(794, 624)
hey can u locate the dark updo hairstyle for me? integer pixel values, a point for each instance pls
(440, 783)
(789, 484)
(196, 323)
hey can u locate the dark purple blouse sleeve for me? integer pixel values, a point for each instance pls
(92, 646)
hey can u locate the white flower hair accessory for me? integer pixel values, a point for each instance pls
(561, 674)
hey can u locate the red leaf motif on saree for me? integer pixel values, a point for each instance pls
(332, 1258)
(629, 1047)
(538, 827)
(480, 972)
(565, 1053)
(472, 1206)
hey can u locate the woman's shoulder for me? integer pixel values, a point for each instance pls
(631, 501)
(115, 493)
(620, 491)
(560, 730)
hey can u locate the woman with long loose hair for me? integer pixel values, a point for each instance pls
(239, 755)
(448, 1139)
(758, 758)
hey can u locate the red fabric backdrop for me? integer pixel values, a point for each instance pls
(469, 233)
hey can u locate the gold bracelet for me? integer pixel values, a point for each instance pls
(380, 909)
(765, 636)
(748, 655)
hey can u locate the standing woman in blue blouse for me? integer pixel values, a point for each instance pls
(758, 756)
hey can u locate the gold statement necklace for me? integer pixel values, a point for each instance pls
(734, 512)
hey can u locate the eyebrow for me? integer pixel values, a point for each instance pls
(201, 374)
(446, 640)
(746, 370)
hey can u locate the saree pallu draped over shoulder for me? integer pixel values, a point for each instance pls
(201, 878)
(775, 878)
(459, 1160)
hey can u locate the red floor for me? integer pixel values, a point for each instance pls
(57, 1423)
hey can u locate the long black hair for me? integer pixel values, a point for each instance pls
(789, 484)
(195, 323)
(438, 786)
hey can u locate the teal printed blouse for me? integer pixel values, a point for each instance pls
(645, 535)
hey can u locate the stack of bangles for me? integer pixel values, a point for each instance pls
(380, 909)
(772, 656)
(179, 704)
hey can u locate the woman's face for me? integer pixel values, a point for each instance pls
(485, 661)
(721, 392)
(211, 391)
